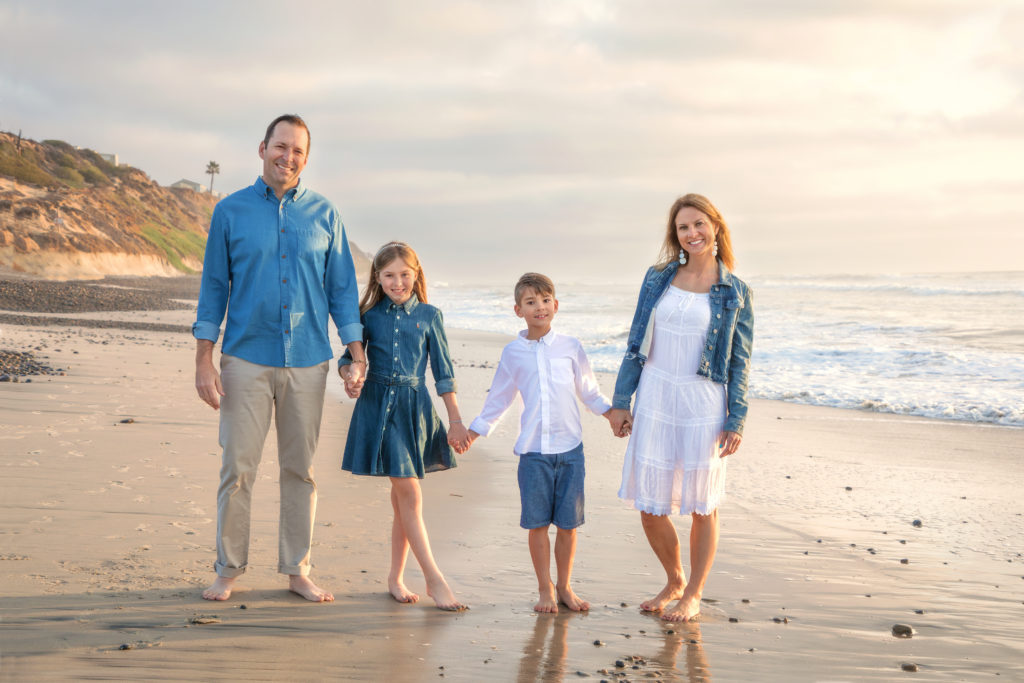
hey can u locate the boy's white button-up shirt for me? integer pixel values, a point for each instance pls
(549, 373)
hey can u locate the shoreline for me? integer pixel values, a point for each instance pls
(108, 540)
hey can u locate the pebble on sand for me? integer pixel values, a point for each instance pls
(902, 630)
(128, 421)
(917, 523)
(908, 666)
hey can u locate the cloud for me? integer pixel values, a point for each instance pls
(557, 133)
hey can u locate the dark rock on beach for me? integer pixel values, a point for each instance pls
(15, 364)
(902, 630)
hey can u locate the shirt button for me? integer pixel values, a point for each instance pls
(284, 281)
(282, 231)
(396, 343)
(715, 331)
(392, 392)
(396, 358)
(287, 331)
(283, 256)
(719, 315)
(709, 347)
(286, 305)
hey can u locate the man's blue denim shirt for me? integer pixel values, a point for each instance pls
(726, 355)
(279, 268)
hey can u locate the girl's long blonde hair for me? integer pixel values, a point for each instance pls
(374, 293)
(670, 247)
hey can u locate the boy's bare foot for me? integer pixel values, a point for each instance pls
(302, 585)
(568, 598)
(687, 609)
(548, 602)
(221, 588)
(670, 592)
(400, 593)
(443, 597)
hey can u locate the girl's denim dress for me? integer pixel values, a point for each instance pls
(726, 356)
(395, 431)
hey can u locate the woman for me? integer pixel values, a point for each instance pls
(687, 359)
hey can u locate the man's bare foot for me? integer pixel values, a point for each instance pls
(687, 609)
(568, 598)
(669, 593)
(221, 588)
(443, 597)
(400, 593)
(302, 585)
(548, 602)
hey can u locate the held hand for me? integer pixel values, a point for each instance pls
(620, 420)
(208, 385)
(728, 443)
(353, 385)
(458, 437)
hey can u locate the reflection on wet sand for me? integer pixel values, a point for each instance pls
(544, 652)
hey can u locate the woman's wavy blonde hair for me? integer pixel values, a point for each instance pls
(671, 246)
(374, 293)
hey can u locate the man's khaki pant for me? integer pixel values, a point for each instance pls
(295, 396)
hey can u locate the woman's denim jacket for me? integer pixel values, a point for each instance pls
(726, 356)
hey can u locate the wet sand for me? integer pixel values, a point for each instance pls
(108, 533)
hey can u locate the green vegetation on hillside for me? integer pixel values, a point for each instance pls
(175, 244)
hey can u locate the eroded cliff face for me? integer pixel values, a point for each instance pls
(66, 213)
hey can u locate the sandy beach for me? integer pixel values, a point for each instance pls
(838, 525)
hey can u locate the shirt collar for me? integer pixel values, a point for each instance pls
(267, 192)
(410, 304)
(548, 339)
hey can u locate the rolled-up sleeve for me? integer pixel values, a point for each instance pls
(440, 359)
(342, 288)
(739, 366)
(215, 285)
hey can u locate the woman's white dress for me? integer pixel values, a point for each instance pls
(672, 463)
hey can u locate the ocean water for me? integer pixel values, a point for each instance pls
(947, 346)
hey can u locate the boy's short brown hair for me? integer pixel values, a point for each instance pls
(540, 284)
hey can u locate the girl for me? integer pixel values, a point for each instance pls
(687, 359)
(395, 431)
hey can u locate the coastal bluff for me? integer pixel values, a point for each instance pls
(68, 213)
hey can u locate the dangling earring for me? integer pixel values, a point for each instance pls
(682, 257)
(714, 252)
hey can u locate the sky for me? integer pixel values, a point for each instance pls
(835, 136)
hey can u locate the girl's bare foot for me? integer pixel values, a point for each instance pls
(548, 602)
(443, 597)
(221, 588)
(687, 609)
(400, 593)
(670, 592)
(302, 585)
(568, 598)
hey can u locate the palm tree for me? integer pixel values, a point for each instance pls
(212, 169)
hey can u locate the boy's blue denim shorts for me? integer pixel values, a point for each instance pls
(551, 489)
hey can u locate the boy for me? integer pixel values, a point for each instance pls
(549, 371)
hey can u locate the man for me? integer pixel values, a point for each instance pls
(278, 261)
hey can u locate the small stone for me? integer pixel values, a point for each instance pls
(203, 619)
(919, 611)
(128, 421)
(902, 630)
(582, 674)
(619, 664)
(124, 646)
(904, 561)
(622, 604)
(671, 632)
(777, 620)
(643, 631)
(598, 643)
(242, 607)
(908, 666)
(903, 541)
(733, 620)
(917, 523)
(746, 601)
(849, 488)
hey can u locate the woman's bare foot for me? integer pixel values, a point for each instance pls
(687, 609)
(443, 596)
(548, 602)
(670, 592)
(400, 593)
(221, 588)
(302, 585)
(568, 598)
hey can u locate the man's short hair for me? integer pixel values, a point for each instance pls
(540, 284)
(293, 119)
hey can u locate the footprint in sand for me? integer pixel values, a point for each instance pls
(119, 485)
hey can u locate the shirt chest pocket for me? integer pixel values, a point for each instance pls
(561, 371)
